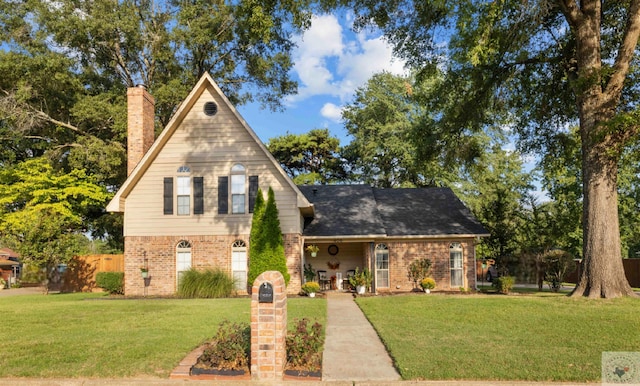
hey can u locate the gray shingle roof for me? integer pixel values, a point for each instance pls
(352, 210)
(343, 210)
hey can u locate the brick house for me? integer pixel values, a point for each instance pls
(189, 196)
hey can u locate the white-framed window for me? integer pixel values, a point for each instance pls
(238, 189)
(239, 264)
(382, 266)
(456, 265)
(183, 259)
(184, 195)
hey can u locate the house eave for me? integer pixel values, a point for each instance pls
(371, 238)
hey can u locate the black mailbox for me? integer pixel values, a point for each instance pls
(265, 293)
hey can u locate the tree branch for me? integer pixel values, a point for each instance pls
(571, 11)
(46, 117)
(625, 53)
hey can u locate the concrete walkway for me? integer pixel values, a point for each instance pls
(352, 348)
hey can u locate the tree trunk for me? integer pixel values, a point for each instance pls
(602, 271)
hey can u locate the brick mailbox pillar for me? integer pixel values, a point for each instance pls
(268, 326)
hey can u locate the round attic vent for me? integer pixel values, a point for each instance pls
(210, 108)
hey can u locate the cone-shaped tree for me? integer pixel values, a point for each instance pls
(266, 248)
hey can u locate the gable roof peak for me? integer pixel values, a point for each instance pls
(205, 81)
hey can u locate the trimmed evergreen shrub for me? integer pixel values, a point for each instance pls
(266, 247)
(209, 283)
(112, 282)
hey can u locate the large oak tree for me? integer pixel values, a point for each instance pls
(539, 66)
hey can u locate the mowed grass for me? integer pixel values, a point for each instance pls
(493, 337)
(89, 335)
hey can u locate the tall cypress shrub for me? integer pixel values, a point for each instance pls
(256, 245)
(266, 247)
(273, 237)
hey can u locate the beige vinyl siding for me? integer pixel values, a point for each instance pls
(210, 146)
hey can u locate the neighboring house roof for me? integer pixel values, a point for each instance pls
(117, 203)
(6, 253)
(360, 210)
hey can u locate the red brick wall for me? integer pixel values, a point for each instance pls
(206, 251)
(401, 254)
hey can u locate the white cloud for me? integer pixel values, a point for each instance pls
(332, 61)
(332, 112)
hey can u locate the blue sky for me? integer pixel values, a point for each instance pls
(331, 61)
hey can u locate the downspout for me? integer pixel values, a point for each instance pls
(475, 263)
(302, 262)
(372, 263)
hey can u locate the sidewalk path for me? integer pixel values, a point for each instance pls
(21, 291)
(352, 349)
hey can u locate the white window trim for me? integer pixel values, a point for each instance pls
(238, 171)
(183, 249)
(184, 190)
(382, 249)
(240, 247)
(456, 248)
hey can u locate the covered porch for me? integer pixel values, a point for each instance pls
(334, 262)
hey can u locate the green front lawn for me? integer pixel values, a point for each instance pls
(88, 335)
(494, 337)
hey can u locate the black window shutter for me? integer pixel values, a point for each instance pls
(253, 192)
(198, 195)
(223, 195)
(168, 195)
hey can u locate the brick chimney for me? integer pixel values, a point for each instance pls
(140, 124)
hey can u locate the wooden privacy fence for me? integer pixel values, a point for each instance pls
(80, 275)
(631, 270)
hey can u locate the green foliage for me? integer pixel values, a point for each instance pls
(418, 270)
(43, 211)
(309, 272)
(504, 284)
(557, 265)
(266, 247)
(310, 287)
(229, 349)
(256, 241)
(208, 283)
(304, 346)
(112, 282)
(383, 119)
(361, 278)
(32, 274)
(309, 158)
(428, 283)
(495, 191)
